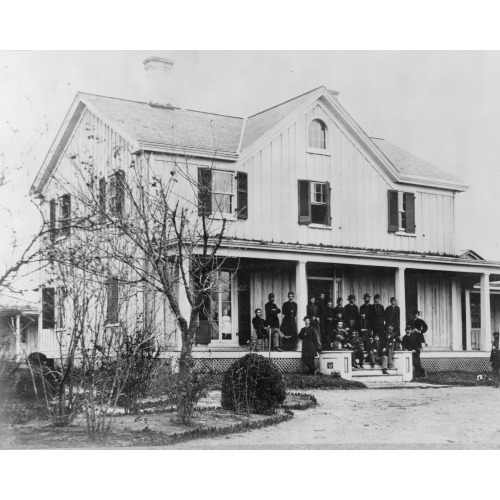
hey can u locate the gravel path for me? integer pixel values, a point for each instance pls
(455, 417)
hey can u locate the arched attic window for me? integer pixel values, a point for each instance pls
(317, 135)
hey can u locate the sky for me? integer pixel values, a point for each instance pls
(440, 105)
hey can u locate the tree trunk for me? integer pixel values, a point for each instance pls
(186, 388)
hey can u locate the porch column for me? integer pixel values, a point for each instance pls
(456, 316)
(468, 323)
(301, 295)
(485, 313)
(401, 297)
(17, 352)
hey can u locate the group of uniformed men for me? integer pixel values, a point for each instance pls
(371, 332)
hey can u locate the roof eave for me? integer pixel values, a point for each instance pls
(144, 146)
(435, 183)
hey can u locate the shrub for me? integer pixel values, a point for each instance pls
(253, 385)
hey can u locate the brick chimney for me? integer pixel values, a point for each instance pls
(158, 81)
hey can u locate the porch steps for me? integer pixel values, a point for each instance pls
(369, 374)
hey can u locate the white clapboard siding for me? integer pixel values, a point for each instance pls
(359, 204)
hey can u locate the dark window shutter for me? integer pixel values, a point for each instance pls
(120, 193)
(112, 301)
(304, 202)
(328, 221)
(393, 211)
(52, 220)
(102, 197)
(65, 220)
(242, 195)
(204, 191)
(48, 308)
(409, 199)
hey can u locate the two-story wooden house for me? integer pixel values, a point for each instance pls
(314, 206)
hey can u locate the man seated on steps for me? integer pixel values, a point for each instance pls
(262, 329)
(388, 342)
(381, 354)
(370, 346)
(356, 344)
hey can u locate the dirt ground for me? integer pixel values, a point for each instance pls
(454, 417)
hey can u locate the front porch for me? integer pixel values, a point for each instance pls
(460, 317)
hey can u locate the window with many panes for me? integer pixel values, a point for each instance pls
(319, 203)
(65, 214)
(314, 202)
(317, 135)
(222, 192)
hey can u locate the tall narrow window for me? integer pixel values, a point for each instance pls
(65, 214)
(48, 308)
(112, 302)
(102, 198)
(52, 220)
(117, 193)
(317, 135)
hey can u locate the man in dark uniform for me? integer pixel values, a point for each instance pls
(419, 327)
(339, 309)
(310, 345)
(409, 344)
(380, 351)
(367, 308)
(272, 311)
(388, 341)
(351, 312)
(321, 305)
(363, 326)
(329, 323)
(378, 322)
(313, 313)
(392, 315)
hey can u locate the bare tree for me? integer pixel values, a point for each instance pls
(154, 227)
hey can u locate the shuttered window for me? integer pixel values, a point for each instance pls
(65, 214)
(102, 198)
(401, 212)
(112, 301)
(117, 193)
(48, 308)
(242, 195)
(52, 220)
(314, 202)
(222, 192)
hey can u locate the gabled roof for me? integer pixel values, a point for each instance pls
(153, 128)
(411, 166)
(257, 125)
(470, 255)
(180, 128)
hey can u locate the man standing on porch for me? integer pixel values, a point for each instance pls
(339, 309)
(378, 322)
(310, 345)
(392, 315)
(272, 311)
(409, 344)
(351, 312)
(367, 308)
(289, 323)
(419, 327)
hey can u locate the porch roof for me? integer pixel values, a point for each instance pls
(359, 256)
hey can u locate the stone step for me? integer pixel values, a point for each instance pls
(369, 371)
(382, 378)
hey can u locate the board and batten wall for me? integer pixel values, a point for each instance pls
(359, 200)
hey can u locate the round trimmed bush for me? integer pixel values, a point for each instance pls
(253, 385)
